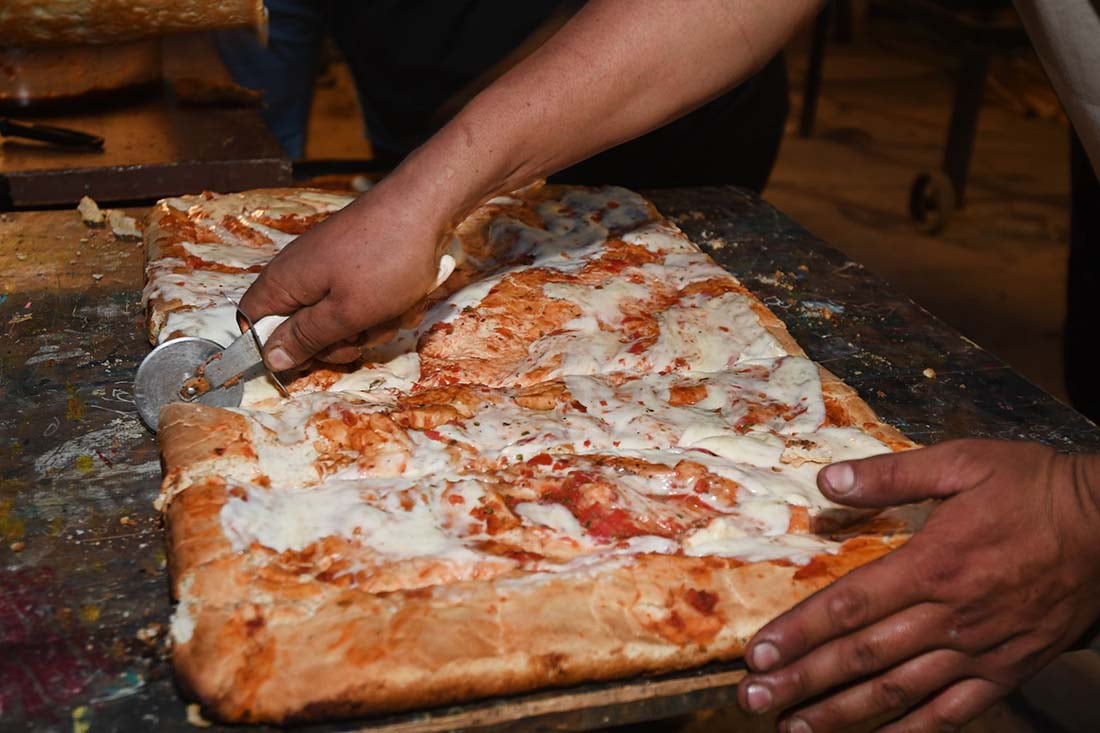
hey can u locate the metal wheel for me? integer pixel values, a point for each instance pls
(932, 201)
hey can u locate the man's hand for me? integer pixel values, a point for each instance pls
(1003, 577)
(362, 266)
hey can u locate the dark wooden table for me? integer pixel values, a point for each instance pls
(84, 601)
(155, 146)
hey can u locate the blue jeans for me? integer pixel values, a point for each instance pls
(285, 70)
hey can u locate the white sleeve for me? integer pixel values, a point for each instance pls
(1066, 35)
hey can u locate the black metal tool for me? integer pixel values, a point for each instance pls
(62, 136)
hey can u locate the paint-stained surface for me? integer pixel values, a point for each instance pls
(83, 591)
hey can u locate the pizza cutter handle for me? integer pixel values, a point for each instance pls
(261, 330)
(264, 327)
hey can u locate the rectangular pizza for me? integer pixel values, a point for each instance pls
(590, 453)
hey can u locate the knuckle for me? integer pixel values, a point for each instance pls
(801, 683)
(863, 656)
(896, 473)
(305, 337)
(891, 695)
(791, 685)
(966, 626)
(268, 294)
(938, 572)
(955, 636)
(848, 608)
(1016, 660)
(344, 317)
(944, 721)
(345, 320)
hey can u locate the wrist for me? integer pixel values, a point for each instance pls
(481, 153)
(1085, 481)
(1075, 483)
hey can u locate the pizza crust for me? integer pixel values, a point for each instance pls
(844, 406)
(264, 636)
(197, 442)
(266, 656)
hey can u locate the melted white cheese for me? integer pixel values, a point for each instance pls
(215, 322)
(241, 257)
(711, 334)
(681, 268)
(716, 344)
(182, 626)
(294, 519)
(799, 549)
(194, 287)
(755, 449)
(664, 239)
(400, 374)
(604, 302)
(699, 334)
(554, 516)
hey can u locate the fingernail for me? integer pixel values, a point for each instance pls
(764, 656)
(841, 478)
(758, 697)
(279, 360)
(797, 725)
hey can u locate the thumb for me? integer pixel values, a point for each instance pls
(306, 332)
(896, 478)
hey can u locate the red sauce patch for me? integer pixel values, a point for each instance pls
(496, 516)
(686, 394)
(702, 601)
(244, 232)
(198, 263)
(800, 520)
(817, 568)
(292, 223)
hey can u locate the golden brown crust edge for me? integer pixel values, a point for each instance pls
(261, 660)
(844, 406)
(197, 442)
(771, 323)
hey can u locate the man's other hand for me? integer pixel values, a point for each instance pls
(1003, 576)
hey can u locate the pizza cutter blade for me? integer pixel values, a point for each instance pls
(163, 374)
(193, 369)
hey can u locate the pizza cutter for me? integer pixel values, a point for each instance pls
(193, 369)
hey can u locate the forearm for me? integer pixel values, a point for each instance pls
(618, 69)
